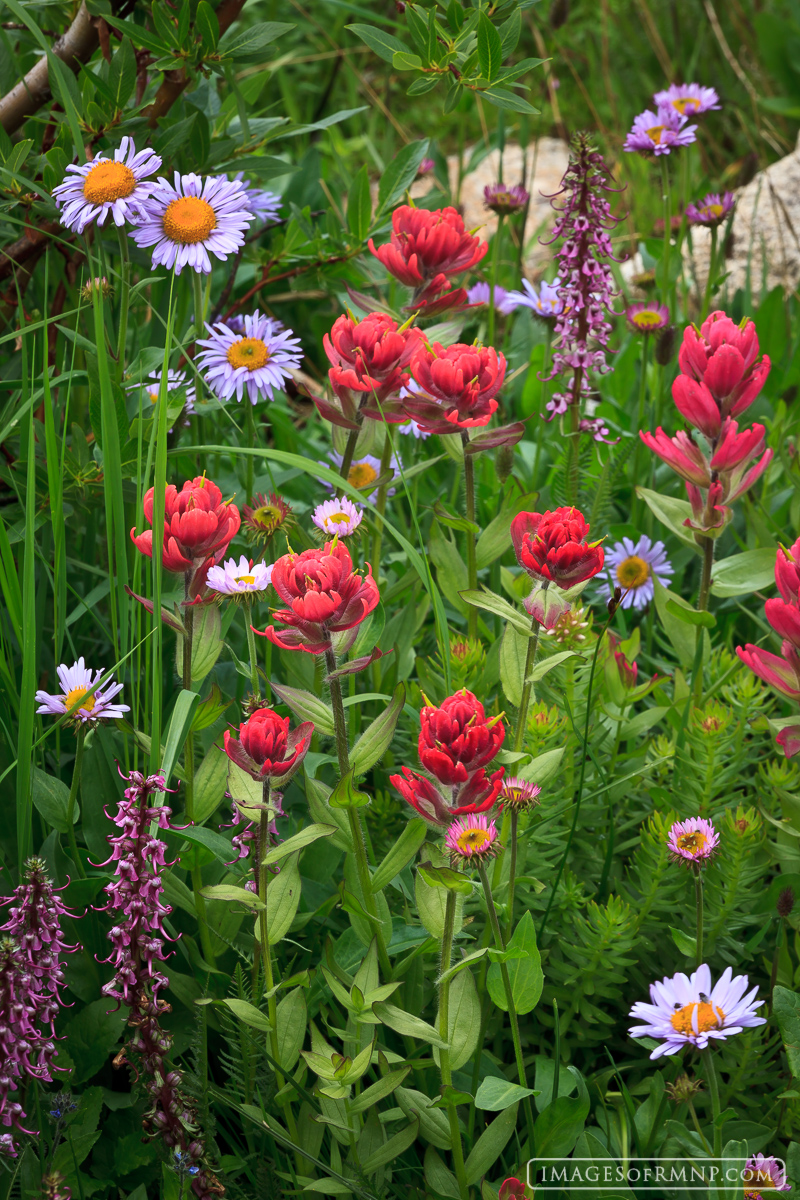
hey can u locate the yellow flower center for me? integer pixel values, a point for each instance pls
(250, 353)
(188, 220)
(633, 572)
(655, 132)
(266, 516)
(108, 181)
(76, 696)
(713, 210)
(683, 103)
(647, 319)
(760, 1178)
(153, 396)
(339, 518)
(361, 474)
(692, 842)
(709, 1016)
(473, 840)
(245, 578)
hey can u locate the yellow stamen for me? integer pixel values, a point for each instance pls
(473, 839)
(683, 103)
(339, 518)
(361, 474)
(245, 579)
(188, 220)
(647, 319)
(108, 181)
(633, 572)
(76, 697)
(655, 132)
(250, 353)
(153, 397)
(709, 1016)
(692, 842)
(713, 210)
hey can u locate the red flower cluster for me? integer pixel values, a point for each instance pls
(425, 249)
(368, 360)
(552, 548)
(266, 748)
(323, 594)
(456, 743)
(719, 379)
(782, 672)
(458, 387)
(198, 525)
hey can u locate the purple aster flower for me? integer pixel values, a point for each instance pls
(237, 324)
(364, 473)
(480, 293)
(260, 361)
(659, 133)
(265, 206)
(472, 837)
(192, 219)
(339, 517)
(77, 682)
(693, 842)
(518, 795)
(633, 566)
(688, 99)
(597, 429)
(690, 1012)
(107, 185)
(712, 210)
(647, 318)
(151, 386)
(546, 303)
(764, 1172)
(505, 200)
(244, 578)
(412, 429)
(585, 282)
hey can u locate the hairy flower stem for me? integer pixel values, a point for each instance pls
(544, 378)
(80, 737)
(188, 770)
(492, 315)
(380, 503)
(702, 606)
(640, 424)
(251, 650)
(472, 560)
(356, 829)
(444, 1034)
(512, 872)
(713, 1090)
(573, 448)
(519, 737)
(349, 453)
(712, 273)
(512, 1013)
(698, 900)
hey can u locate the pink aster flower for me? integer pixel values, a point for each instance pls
(712, 210)
(689, 1011)
(690, 99)
(659, 132)
(116, 186)
(339, 516)
(77, 682)
(243, 578)
(505, 200)
(192, 219)
(472, 837)
(693, 842)
(764, 1173)
(260, 361)
(518, 795)
(647, 318)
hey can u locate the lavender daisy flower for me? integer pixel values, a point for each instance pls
(192, 219)
(764, 1172)
(712, 210)
(244, 578)
(259, 361)
(107, 185)
(505, 200)
(687, 98)
(547, 302)
(659, 133)
(690, 1012)
(338, 517)
(76, 683)
(237, 324)
(265, 206)
(647, 318)
(472, 837)
(175, 380)
(518, 795)
(412, 429)
(693, 842)
(364, 473)
(480, 293)
(633, 566)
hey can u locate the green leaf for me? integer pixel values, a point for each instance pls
(379, 1091)
(122, 73)
(786, 1007)
(681, 635)
(395, 1146)
(509, 101)
(179, 724)
(91, 1036)
(219, 846)
(345, 795)
(283, 897)
(558, 1126)
(231, 893)
(207, 26)
(307, 707)
(210, 783)
(685, 943)
(491, 1144)
(51, 798)
(527, 978)
(691, 616)
(744, 573)
(377, 737)
(483, 598)
(248, 1014)
(495, 1094)
(379, 41)
(513, 653)
(401, 853)
(250, 44)
(403, 60)
(434, 1126)
(547, 664)
(670, 512)
(446, 877)
(490, 48)
(297, 842)
(359, 205)
(407, 1025)
(463, 1019)
(399, 174)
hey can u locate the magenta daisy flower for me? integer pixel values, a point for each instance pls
(659, 133)
(690, 1012)
(518, 794)
(633, 566)
(764, 1173)
(505, 200)
(115, 185)
(338, 517)
(472, 837)
(547, 302)
(712, 210)
(688, 99)
(647, 318)
(196, 217)
(150, 387)
(77, 682)
(693, 842)
(244, 578)
(480, 293)
(260, 361)
(265, 206)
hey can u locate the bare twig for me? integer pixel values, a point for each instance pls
(76, 46)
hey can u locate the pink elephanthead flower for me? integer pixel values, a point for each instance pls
(458, 387)
(198, 525)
